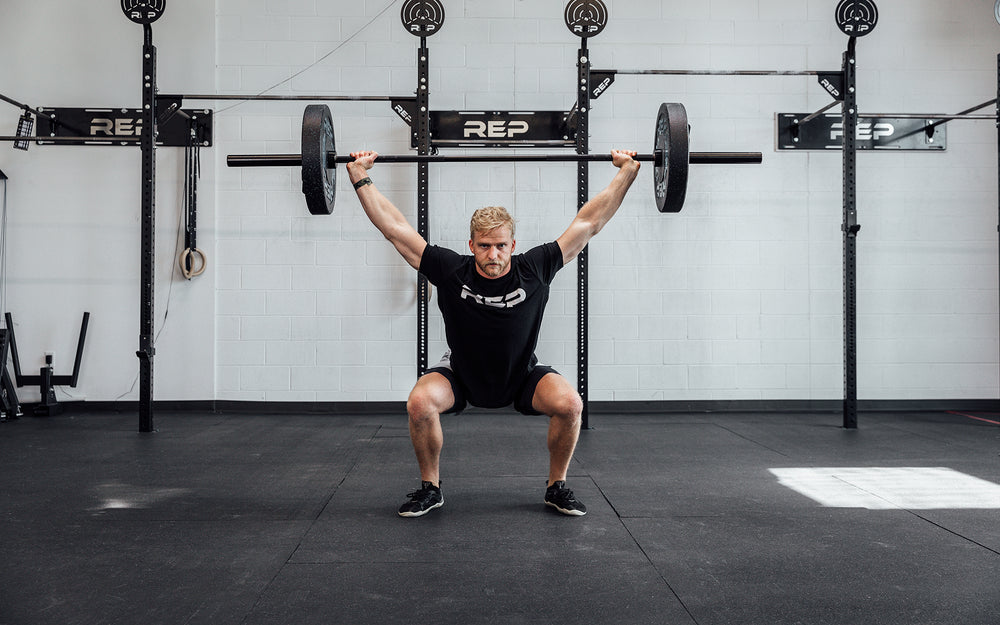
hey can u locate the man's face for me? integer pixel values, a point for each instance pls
(492, 251)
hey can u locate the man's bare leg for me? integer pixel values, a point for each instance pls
(555, 397)
(431, 396)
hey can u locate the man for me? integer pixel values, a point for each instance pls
(492, 304)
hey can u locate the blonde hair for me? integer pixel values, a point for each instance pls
(489, 218)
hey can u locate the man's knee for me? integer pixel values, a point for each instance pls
(555, 397)
(421, 406)
(429, 398)
(569, 406)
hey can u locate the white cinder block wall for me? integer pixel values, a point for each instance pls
(738, 297)
(72, 229)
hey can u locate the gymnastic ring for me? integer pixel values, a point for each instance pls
(190, 253)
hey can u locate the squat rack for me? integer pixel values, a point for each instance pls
(147, 143)
(588, 20)
(593, 83)
(843, 86)
(413, 109)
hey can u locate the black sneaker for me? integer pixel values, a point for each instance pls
(562, 499)
(422, 501)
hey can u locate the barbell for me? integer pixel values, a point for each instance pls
(319, 158)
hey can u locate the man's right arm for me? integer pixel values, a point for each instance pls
(384, 214)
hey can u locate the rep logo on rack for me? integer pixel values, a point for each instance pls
(586, 18)
(143, 11)
(116, 127)
(422, 17)
(495, 129)
(865, 131)
(857, 18)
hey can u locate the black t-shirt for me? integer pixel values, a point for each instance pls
(492, 324)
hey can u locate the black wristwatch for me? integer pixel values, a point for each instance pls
(362, 182)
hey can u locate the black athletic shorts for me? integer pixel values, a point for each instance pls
(522, 399)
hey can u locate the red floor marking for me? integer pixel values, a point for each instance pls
(962, 414)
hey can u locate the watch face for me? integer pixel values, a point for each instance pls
(996, 11)
(143, 11)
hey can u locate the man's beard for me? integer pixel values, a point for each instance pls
(493, 269)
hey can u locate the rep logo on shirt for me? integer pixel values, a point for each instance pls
(500, 301)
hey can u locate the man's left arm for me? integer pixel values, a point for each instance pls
(600, 208)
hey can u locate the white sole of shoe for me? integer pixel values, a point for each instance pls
(564, 510)
(411, 515)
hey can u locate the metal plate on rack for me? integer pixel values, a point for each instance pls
(826, 132)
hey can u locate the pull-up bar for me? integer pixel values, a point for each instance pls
(942, 118)
(302, 98)
(710, 72)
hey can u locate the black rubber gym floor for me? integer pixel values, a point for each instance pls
(701, 518)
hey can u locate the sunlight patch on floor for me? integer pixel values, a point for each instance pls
(881, 488)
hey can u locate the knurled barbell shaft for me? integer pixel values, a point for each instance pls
(295, 160)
